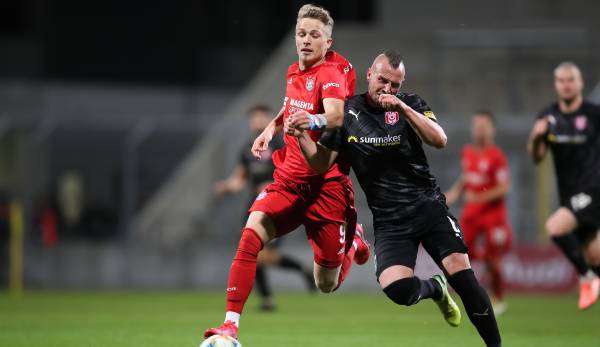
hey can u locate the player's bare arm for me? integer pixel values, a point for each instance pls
(498, 192)
(455, 192)
(234, 183)
(317, 156)
(536, 146)
(261, 143)
(429, 131)
(330, 119)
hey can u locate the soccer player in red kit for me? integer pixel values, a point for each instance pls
(316, 87)
(484, 183)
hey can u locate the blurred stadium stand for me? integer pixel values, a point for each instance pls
(150, 154)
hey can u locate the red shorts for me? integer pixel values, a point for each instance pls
(487, 236)
(324, 208)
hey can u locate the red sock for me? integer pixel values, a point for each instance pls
(243, 270)
(497, 282)
(346, 265)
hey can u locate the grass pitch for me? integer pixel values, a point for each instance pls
(76, 319)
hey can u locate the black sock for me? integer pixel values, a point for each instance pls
(409, 291)
(262, 285)
(571, 247)
(478, 306)
(288, 263)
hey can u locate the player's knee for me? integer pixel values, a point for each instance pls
(551, 228)
(593, 256)
(326, 285)
(456, 262)
(404, 291)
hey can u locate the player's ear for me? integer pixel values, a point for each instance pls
(329, 43)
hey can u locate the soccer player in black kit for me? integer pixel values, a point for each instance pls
(382, 138)
(570, 128)
(258, 174)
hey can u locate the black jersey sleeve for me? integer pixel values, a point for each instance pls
(277, 142)
(418, 104)
(544, 112)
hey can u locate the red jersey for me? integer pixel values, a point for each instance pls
(305, 91)
(484, 169)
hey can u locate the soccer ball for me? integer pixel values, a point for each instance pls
(220, 341)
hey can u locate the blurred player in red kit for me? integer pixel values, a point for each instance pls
(484, 183)
(316, 87)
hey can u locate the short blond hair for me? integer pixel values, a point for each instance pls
(568, 65)
(319, 13)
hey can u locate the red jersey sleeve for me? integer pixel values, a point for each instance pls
(333, 83)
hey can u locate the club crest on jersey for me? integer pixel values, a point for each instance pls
(391, 118)
(310, 84)
(581, 122)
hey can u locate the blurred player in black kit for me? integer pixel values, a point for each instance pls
(570, 129)
(257, 174)
(382, 138)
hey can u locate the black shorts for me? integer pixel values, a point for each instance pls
(586, 234)
(440, 238)
(585, 205)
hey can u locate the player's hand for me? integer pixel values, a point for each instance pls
(290, 129)
(220, 188)
(261, 143)
(299, 121)
(391, 102)
(472, 197)
(540, 127)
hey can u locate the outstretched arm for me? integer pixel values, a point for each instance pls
(429, 131)
(261, 143)
(234, 183)
(536, 145)
(454, 193)
(318, 157)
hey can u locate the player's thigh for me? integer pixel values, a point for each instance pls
(276, 211)
(328, 242)
(395, 258)
(561, 222)
(333, 201)
(444, 243)
(592, 247)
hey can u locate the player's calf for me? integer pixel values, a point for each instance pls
(403, 288)
(411, 290)
(477, 304)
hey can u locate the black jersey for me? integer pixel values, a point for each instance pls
(574, 140)
(259, 171)
(387, 157)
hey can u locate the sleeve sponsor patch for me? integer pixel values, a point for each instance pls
(429, 114)
(331, 84)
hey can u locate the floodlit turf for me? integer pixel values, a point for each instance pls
(178, 318)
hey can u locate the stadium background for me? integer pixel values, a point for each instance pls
(116, 118)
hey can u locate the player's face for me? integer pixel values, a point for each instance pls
(384, 79)
(482, 130)
(568, 83)
(258, 121)
(312, 42)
